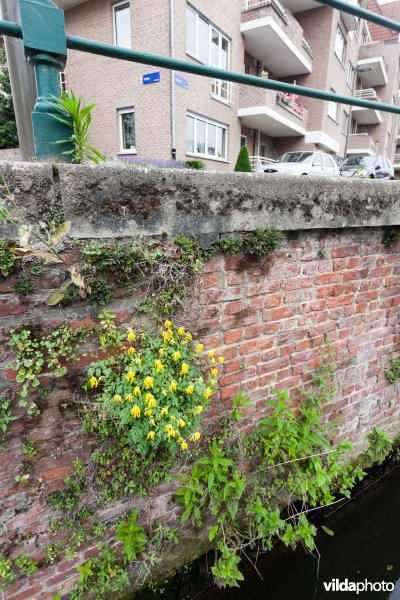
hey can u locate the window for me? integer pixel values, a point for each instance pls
(263, 150)
(126, 118)
(122, 25)
(345, 122)
(205, 138)
(317, 162)
(340, 45)
(205, 42)
(328, 162)
(243, 140)
(333, 108)
(246, 69)
(350, 75)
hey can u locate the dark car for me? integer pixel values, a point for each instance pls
(372, 167)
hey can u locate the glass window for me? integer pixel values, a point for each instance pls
(189, 134)
(340, 45)
(205, 42)
(317, 161)
(127, 129)
(206, 138)
(328, 162)
(190, 31)
(303, 157)
(350, 75)
(333, 108)
(243, 140)
(122, 25)
(345, 122)
(201, 137)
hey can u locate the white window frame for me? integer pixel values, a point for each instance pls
(344, 125)
(114, 12)
(351, 74)
(207, 121)
(122, 150)
(340, 32)
(210, 28)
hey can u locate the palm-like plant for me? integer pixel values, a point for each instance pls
(71, 112)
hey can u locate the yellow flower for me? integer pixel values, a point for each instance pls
(184, 368)
(199, 348)
(213, 361)
(152, 422)
(213, 382)
(148, 397)
(164, 411)
(184, 445)
(148, 412)
(131, 350)
(188, 336)
(161, 351)
(94, 382)
(211, 353)
(103, 341)
(221, 359)
(181, 439)
(159, 366)
(131, 376)
(176, 356)
(199, 409)
(136, 411)
(171, 432)
(190, 389)
(117, 398)
(164, 392)
(149, 382)
(214, 372)
(138, 361)
(195, 436)
(207, 393)
(131, 337)
(172, 387)
(150, 435)
(136, 391)
(181, 423)
(129, 397)
(181, 330)
(168, 324)
(152, 403)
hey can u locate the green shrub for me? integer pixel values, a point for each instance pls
(243, 161)
(394, 372)
(198, 165)
(262, 241)
(7, 259)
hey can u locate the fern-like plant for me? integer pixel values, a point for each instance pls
(132, 535)
(72, 113)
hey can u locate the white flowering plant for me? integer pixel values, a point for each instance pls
(154, 389)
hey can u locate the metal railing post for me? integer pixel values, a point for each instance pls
(45, 46)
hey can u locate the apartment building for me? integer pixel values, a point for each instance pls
(146, 112)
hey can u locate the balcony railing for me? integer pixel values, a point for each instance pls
(222, 91)
(259, 161)
(251, 4)
(366, 94)
(396, 159)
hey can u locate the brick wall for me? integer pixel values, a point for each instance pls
(271, 319)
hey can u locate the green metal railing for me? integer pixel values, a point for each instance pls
(43, 33)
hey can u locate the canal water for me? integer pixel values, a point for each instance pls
(365, 546)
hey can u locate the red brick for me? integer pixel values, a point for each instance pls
(12, 308)
(328, 278)
(211, 280)
(230, 337)
(345, 251)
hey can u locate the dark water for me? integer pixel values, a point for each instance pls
(366, 545)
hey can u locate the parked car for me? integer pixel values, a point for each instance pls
(372, 167)
(302, 163)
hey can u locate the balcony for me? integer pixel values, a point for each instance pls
(366, 116)
(396, 161)
(371, 55)
(361, 143)
(273, 113)
(296, 6)
(273, 35)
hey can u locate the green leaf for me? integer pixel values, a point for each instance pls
(59, 294)
(327, 530)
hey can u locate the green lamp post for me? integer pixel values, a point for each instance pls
(45, 46)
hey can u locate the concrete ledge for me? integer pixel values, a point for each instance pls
(110, 201)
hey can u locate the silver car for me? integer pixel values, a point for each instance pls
(303, 163)
(367, 167)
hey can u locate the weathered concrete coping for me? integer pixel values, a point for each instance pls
(113, 201)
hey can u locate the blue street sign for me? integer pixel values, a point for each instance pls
(151, 78)
(181, 81)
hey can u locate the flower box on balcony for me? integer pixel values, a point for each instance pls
(287, 102)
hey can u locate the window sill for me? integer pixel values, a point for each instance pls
(123, 152)
(222, 100)
(206, 157)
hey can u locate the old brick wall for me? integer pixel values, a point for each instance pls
(271, 318)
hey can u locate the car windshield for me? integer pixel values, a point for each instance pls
(358, 161)
(297, 157)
